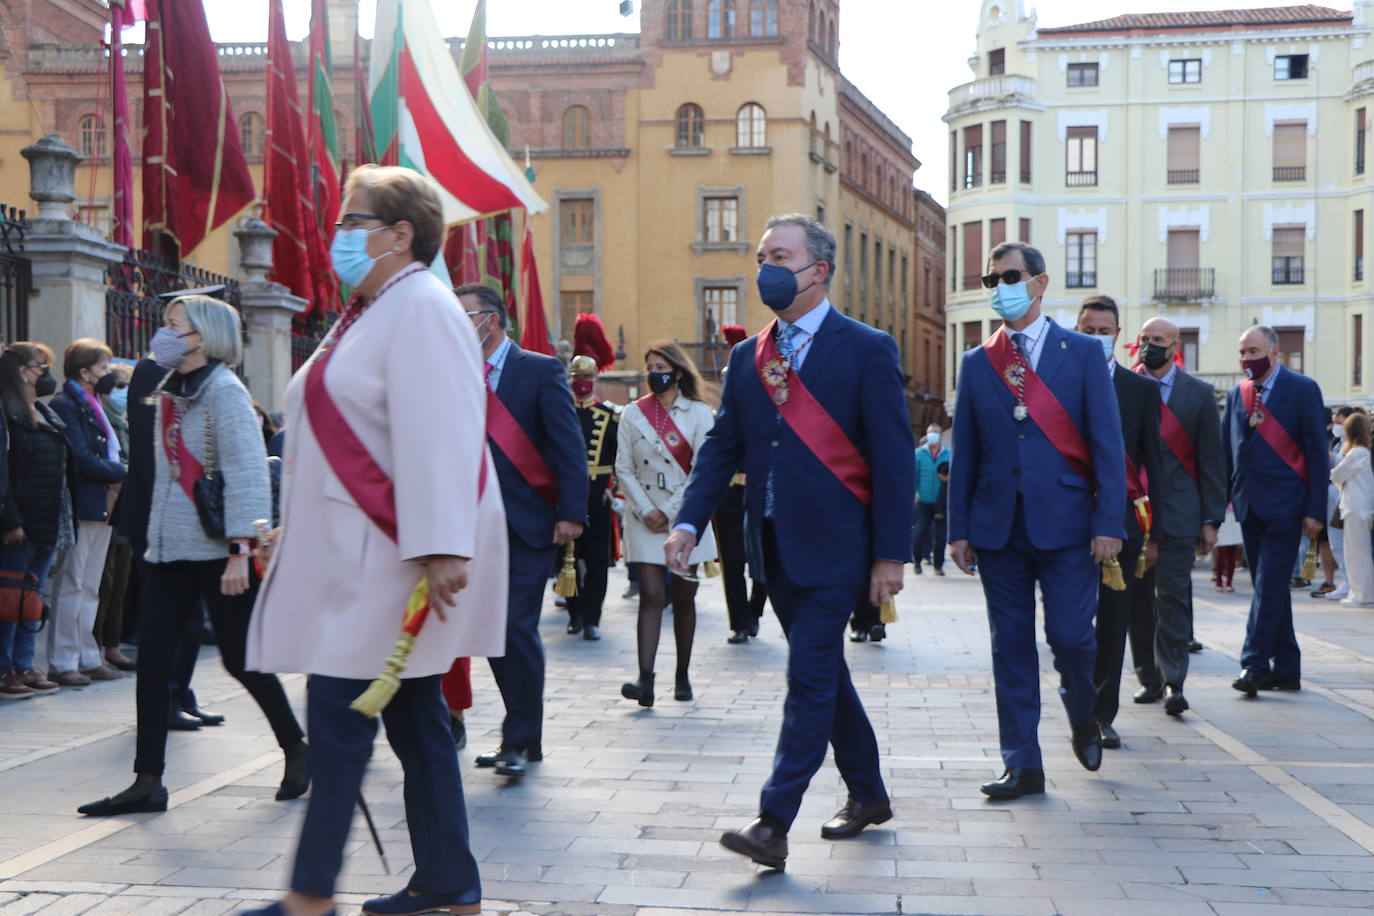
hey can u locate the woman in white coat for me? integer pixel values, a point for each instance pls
(1356, 480)
(659, 435)
(387, 479)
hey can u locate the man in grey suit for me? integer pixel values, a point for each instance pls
(1192, 499)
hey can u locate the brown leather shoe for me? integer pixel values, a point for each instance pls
(40, 684)
(70, 678)
(103, 673)
(763, 839)
(853, 818)
(12, 688)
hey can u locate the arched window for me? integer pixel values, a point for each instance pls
(720, 19)
(679, 20)
(91, 132)
(751, 126)
(577, 128)
(690, 126)
(763, 17)
(250, 133)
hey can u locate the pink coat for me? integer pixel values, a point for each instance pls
(408, 378)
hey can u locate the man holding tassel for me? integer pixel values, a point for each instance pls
(1036, 488)
(1138, 398)
(1277, 471)
(536, 441)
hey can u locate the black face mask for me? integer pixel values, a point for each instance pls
(45, 385)
(660, 382)
(1154, 356)
(106, 384)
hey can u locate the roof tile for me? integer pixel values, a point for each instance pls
(1304, 14)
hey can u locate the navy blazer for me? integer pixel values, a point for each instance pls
(1261, 481)
(94, 470)
(825, 535)
(997, 456)
(535, 390)
(136, 498)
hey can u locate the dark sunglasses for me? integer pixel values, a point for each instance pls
(1007, 276)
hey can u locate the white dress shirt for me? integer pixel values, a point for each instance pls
(1035, 338)
(497, 361)
(807, 326)
(1166, 384)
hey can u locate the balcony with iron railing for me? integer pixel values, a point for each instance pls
(1290, 173)
(994, 91)
(1080, 179)
(1359, 267)
(1184, 284)
(1184, 176)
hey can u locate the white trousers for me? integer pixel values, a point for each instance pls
(71, 644)
(1359, 560)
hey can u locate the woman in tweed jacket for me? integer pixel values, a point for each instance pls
(201, 340)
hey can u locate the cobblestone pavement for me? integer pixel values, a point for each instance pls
(1243, 807)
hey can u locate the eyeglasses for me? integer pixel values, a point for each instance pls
(1007, 276)
(40, 368)
(351, 220)
(480, 312)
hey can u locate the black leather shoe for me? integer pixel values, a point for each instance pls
(1015, 782)
(754, 628)
(877, 633)
(1087, 744)
(591, 632)
(1174, 702)
(1110, 739)
(641, 691)
(574, 627)
(295, 782)
(533, 754)
(560, 601)
(1248, 682)
(682, 690)
(182, 721)
(205, 716)
(858, 636)
(763, 839)
(737, 637)
(133, 800)
(1194, 646)
(853, 818)
(1148, 694)
(1274, 682)
(510, 762)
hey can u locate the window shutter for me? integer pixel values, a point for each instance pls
(1185, 148)
(1290, 145)
(997, 232)
(1289, 241)
(973, 254)
(1183, 249)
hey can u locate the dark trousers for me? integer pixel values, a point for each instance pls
(417, 727)
(1271, 646)
(187, 651)
(520, 674)
(822, 706)
(593, 552)
(1068, 580)
(172, 590)
(928, 536)
(114, 585)
(744, 602)
(1114, 614)
(1161, 632)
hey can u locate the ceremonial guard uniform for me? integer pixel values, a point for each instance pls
(600, 422)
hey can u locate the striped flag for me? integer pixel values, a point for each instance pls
(286, 201)
(424, 118)
(322, 141)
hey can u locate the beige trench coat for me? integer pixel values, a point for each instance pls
(408, 378)
(651, 478)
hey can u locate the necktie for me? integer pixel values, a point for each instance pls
(486, 375)
(788, 348)
(1022, 346)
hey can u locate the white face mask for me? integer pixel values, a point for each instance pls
(1338, 432)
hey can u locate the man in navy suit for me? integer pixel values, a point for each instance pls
(1036, 488)
(814, 412)
(1276, 463)
(546, 507)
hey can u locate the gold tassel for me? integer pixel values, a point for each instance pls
(1111, 575)
(384, 687)
(888, 612)
(1140, 561)
(710, 569)
(567, 576)
(1309, 565)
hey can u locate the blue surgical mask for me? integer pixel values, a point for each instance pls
(349, 255)
(119, 399)
(1108, 345)
(1010, 300)
(932, 438)
(778, 285)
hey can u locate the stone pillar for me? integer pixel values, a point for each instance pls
(69, 258)
(268, 309)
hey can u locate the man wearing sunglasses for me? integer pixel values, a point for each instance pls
(1036, 489)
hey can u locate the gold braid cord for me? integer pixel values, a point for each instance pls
(1111, 575)
(567, 576)
(385, 685)
(1309, 565)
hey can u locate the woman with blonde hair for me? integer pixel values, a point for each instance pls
(198, 546)
(658, 437)
(1355, 478)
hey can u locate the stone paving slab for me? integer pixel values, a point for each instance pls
(1240, 807)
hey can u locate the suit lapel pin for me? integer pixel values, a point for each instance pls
(1063, 344)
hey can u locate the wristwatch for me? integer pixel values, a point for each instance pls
(239, 549)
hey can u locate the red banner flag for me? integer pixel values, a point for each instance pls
(287, 202)
(364, 139)
(534, 335)
(322, 139)
(195, 177)
(120, 19)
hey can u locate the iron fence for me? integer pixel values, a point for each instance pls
(16, 279)
(306, 334)
(134, 293)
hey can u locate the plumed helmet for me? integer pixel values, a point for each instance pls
(589, 339)
(582, 365)
(734, 333)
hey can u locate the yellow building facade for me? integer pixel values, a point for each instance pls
(1210, 167)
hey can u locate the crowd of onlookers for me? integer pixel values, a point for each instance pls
(1347, 560)
(64, 458)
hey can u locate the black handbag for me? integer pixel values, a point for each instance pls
(209, 487)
